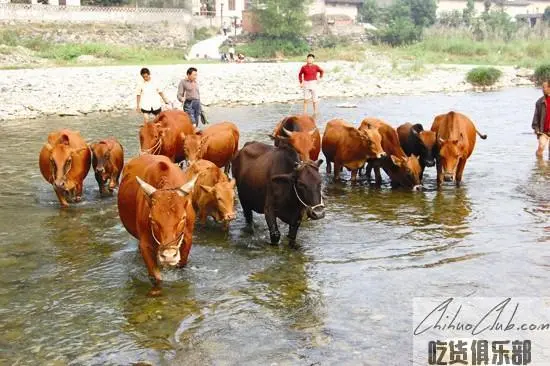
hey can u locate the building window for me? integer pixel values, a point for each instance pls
(231, 5)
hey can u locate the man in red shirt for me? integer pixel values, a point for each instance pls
(308, 81)
(541, 119)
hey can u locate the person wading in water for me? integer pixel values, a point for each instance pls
(541, 119)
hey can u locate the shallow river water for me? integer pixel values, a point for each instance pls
(73, 286)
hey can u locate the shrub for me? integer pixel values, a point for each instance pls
(202, 33)
(263, 47)
(542, 73)
(401, 31)
(483, 76)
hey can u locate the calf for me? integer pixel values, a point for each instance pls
(107, 161)
(415, 141)
(403, 171)
(64, 162)
(347, 146)
(213, 194)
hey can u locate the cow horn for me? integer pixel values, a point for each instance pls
(287, 132)
(48, 147)
(441, 141)
(147, 188)
(313, 131)
(188, 187)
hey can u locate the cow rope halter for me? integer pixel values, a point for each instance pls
(153, 150)
(302, 201)
(178, 239)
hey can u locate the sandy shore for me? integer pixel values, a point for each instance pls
(34, 93)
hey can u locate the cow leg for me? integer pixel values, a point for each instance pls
(354, 175)
(113, 182)
(368, 171)
(337, 169)
(99, 183)
(328, 169)
(271, 220)
(227, 168)
(422, 167)
(202, 216)
(78, 191)
(293, 231)
(185, 247)
(377, 176)
(439, 174)
(61, 197)
(459, 171)
(151, 263)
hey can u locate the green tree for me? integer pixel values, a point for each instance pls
(546, 15)
(422, 12)
(369, 12)
(469, 12)
(282, 18)
(400, 31)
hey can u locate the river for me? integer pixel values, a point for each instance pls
(73, 289)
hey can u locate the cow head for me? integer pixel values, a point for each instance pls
(372, 141)
(192, 146)
(168, 218)
(303, 142)
(101, 158)
(306, 185)
(61, 162)
(408, 172)
(223, 196)
(150, 138)
(450, 153)
(426, 140)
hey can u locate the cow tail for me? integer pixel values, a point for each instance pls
(483, 137)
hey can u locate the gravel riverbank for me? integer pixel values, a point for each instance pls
(33, 93)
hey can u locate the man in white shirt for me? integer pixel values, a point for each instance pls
(149, 96)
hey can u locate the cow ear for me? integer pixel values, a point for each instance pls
(397, 161)
(147, 188)
(187, 187)
(207, 189)
(319, 163)
(282, 178)
(417, 127)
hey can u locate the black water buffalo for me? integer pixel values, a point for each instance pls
(416, 141)
(274, 181)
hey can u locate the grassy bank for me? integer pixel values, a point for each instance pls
(459, 47)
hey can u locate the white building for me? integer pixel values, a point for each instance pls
(349, 8)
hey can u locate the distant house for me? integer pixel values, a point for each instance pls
(519, 9)
(228, 9)
(349, 8)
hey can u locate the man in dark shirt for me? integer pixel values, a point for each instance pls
(188, 94)
(541, 119)
(308, 81)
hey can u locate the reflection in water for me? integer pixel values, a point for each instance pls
(74, 286)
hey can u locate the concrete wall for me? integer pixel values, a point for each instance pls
(342, 9)
(90, 14)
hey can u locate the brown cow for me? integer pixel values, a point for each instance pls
(302, 133)
(217, 143)
(456, 139)
(64, 162)
(155, 207)
(403, 170)
(163, 136)
(107, 161)
(214, 193)
(347, 146)
(414, 140)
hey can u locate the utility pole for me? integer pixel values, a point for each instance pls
(221, 14)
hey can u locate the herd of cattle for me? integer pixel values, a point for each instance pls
(158, 200)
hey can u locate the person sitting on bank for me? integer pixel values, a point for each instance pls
(149, 96)
(188, 94)
(541, 119)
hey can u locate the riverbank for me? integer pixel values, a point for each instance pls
(34, 93)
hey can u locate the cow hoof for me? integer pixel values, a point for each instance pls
(275, 239)
(154, 292)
